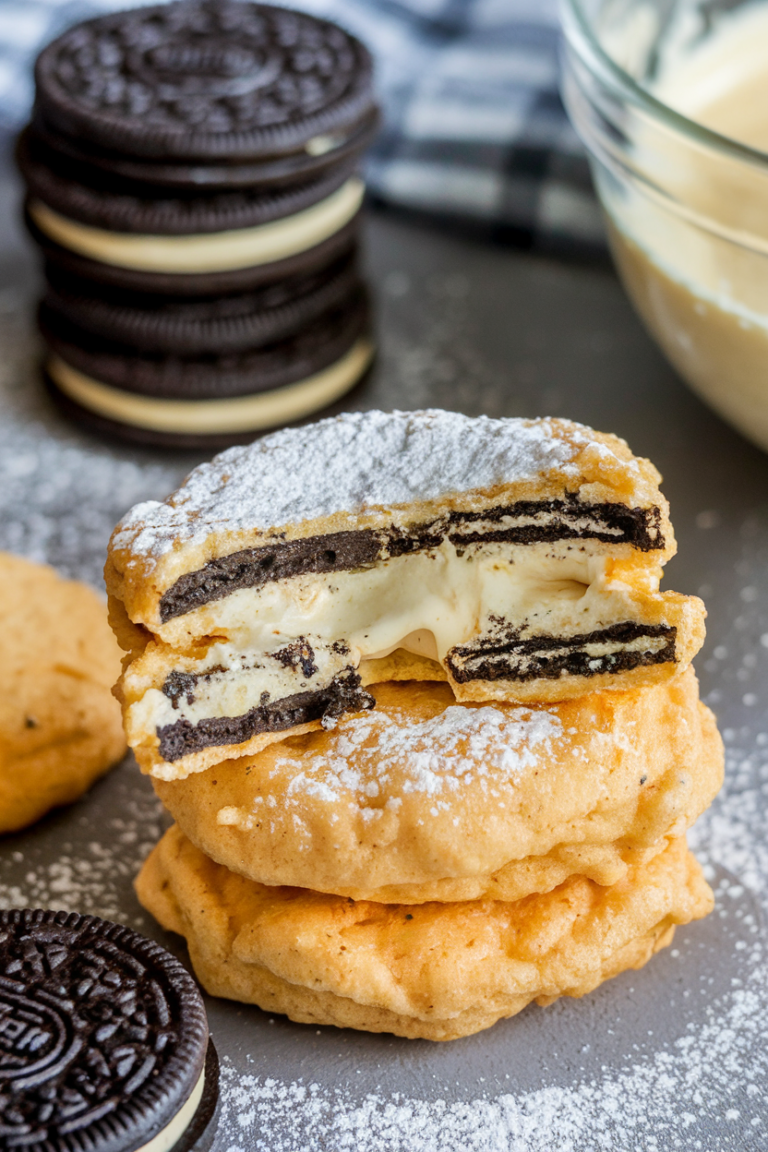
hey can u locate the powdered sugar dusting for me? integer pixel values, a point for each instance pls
(93, 870)
(436, 756)
(61, 492)
(345, 464)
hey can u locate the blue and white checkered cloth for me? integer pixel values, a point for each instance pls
(474, 129)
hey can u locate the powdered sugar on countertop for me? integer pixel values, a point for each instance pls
(698, 1089)
(61, 492)
(343, 464)
(434, 757)
(95, 861)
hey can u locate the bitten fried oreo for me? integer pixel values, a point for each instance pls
(60, 726)
(204, 136)
(103, 1040)
(437, 971)
(517, 559)
(423, 799)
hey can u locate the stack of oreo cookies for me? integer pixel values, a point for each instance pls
(191, 174)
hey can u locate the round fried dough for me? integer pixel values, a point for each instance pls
(423, 799)
(60, 726)
(436, 971)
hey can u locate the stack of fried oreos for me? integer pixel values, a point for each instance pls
(428, 729)
(191, 174)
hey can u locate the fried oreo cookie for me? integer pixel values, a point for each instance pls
(60, 726)
(104, 1040)
(436, 971)
(519, 560)
(199, 138)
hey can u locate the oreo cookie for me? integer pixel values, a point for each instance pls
(117, 206)
(195, 283)
(271, 172)
(155, 241)
(206, 324)
(206, 80)
(208, 400)
(213, 375)
(103, 1040)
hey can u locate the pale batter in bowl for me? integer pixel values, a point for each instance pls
(673, 108)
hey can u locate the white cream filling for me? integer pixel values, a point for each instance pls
(448, 591)
(173, 1132)
(235, 414)
(426, 602)
(321, 145)
(206, 252)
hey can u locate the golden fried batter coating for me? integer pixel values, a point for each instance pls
(437, 971)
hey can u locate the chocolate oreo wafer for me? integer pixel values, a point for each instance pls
(206, 136)
(210, 399)
(103, 1040)
(217, 324)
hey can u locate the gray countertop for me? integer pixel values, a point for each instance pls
(673, 1057)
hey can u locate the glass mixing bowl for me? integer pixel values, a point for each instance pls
(686, 205)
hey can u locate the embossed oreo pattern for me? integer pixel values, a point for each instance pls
(204, 78)
(102, 1034)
